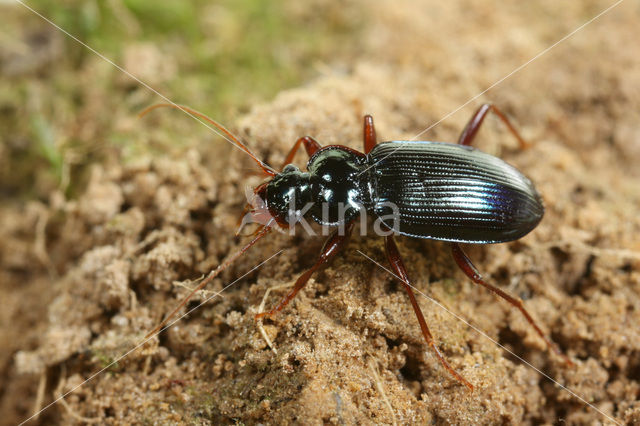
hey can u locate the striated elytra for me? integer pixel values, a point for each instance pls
(452, 193)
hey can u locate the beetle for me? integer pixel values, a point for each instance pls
(421, 189)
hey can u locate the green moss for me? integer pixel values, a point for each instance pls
(227, 55)
(106, 361)
(45, 144)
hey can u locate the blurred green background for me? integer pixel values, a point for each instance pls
(63, 108)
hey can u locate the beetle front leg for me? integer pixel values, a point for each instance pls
(334, 244)
(401, 273)
(470, 270)
(472, 127)
(310, 145)
(369, 134)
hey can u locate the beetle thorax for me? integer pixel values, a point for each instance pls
(338, 186)
(332, 192)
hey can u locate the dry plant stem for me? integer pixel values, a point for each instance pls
(42, 385)
(398, 266)
(470, 270)
(58, 394)
(261, 233)
(378, 382)
(205, 293)
(40, 242)
(260, 309)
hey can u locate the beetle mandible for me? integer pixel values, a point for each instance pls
(441, 191)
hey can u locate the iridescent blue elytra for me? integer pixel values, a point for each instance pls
(452, 192)
(432, 190)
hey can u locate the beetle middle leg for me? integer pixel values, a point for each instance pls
(334, 244)
(470, 270)
(471, 129)
(398, 266)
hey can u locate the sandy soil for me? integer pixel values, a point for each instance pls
(84, 280)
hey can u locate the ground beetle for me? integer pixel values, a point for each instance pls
(442, 191)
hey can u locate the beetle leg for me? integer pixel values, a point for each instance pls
(332, 246)
(369, 134)
(310, 145)
(470, 270)
(472, 127)
(398, 266)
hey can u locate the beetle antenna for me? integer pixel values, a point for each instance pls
(226, 133)
(261, 233)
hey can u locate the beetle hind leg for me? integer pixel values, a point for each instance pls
(471, 129)
(401, 273)
(470, 271)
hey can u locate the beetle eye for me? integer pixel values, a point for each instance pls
(289, 168)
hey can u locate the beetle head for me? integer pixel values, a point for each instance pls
(280, 202)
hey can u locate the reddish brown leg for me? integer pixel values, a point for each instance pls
(472, 127)
(310, 144)
(369, 134)
(398, 266)
(334, 244)
(470, 270)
